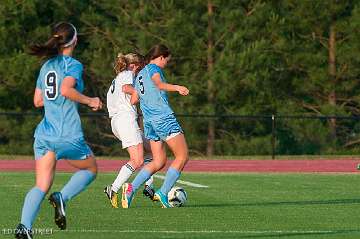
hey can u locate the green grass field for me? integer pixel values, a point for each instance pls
(234, 206)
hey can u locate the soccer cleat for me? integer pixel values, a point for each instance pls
(149, 192)
(21, 232)
(159, 196)
(112, 196)
(57, 202)
(127, 195)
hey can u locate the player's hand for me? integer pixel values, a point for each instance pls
(95, 103)
(182, 90)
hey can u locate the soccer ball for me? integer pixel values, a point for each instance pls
(177, 196)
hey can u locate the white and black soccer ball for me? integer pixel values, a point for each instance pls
(177, 197)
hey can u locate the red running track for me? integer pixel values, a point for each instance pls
(269, 166)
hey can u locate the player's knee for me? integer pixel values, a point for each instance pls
(136, 162)
(159, 165)
(183, 156)
(93, 168)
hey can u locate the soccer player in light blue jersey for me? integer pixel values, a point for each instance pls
(160, 125)
(59, 135)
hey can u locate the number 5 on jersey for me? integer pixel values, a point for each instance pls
(141, 82)
(51, 91)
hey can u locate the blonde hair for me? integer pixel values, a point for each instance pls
(122, 61)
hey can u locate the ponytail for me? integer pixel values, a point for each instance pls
(49, 49)
(63, 35)
(120, 63)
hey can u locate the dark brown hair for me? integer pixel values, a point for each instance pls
(61, 35)
(156, 51)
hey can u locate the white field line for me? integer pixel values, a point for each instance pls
(206, 231)
(195, 185)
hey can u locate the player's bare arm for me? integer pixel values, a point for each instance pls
(134, 98)
(168, 87)
(38, 99)
(67, 90)
(129, 89)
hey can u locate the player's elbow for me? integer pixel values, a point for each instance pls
(161, 86)
(124, 88)
(64, 91)
(38, 99)
(38, 103)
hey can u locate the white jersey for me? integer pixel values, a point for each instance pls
(118, 103)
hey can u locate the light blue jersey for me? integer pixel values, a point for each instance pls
(153, 102)
(61, 119)
(159, 119)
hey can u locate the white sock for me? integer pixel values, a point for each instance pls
(148, 159)
(150, 181)
(124, 174)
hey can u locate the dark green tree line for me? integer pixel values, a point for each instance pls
(248, 57)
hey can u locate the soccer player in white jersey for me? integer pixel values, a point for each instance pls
(124, 124)
(160, 126)
(59, 135)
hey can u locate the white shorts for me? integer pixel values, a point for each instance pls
(127, 130)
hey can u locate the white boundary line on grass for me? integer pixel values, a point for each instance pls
(203, 231)
(195, 185)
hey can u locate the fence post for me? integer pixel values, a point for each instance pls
(273, 136)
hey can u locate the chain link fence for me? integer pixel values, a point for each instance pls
(235, 135)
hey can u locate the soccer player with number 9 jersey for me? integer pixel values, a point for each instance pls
(59, 135)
